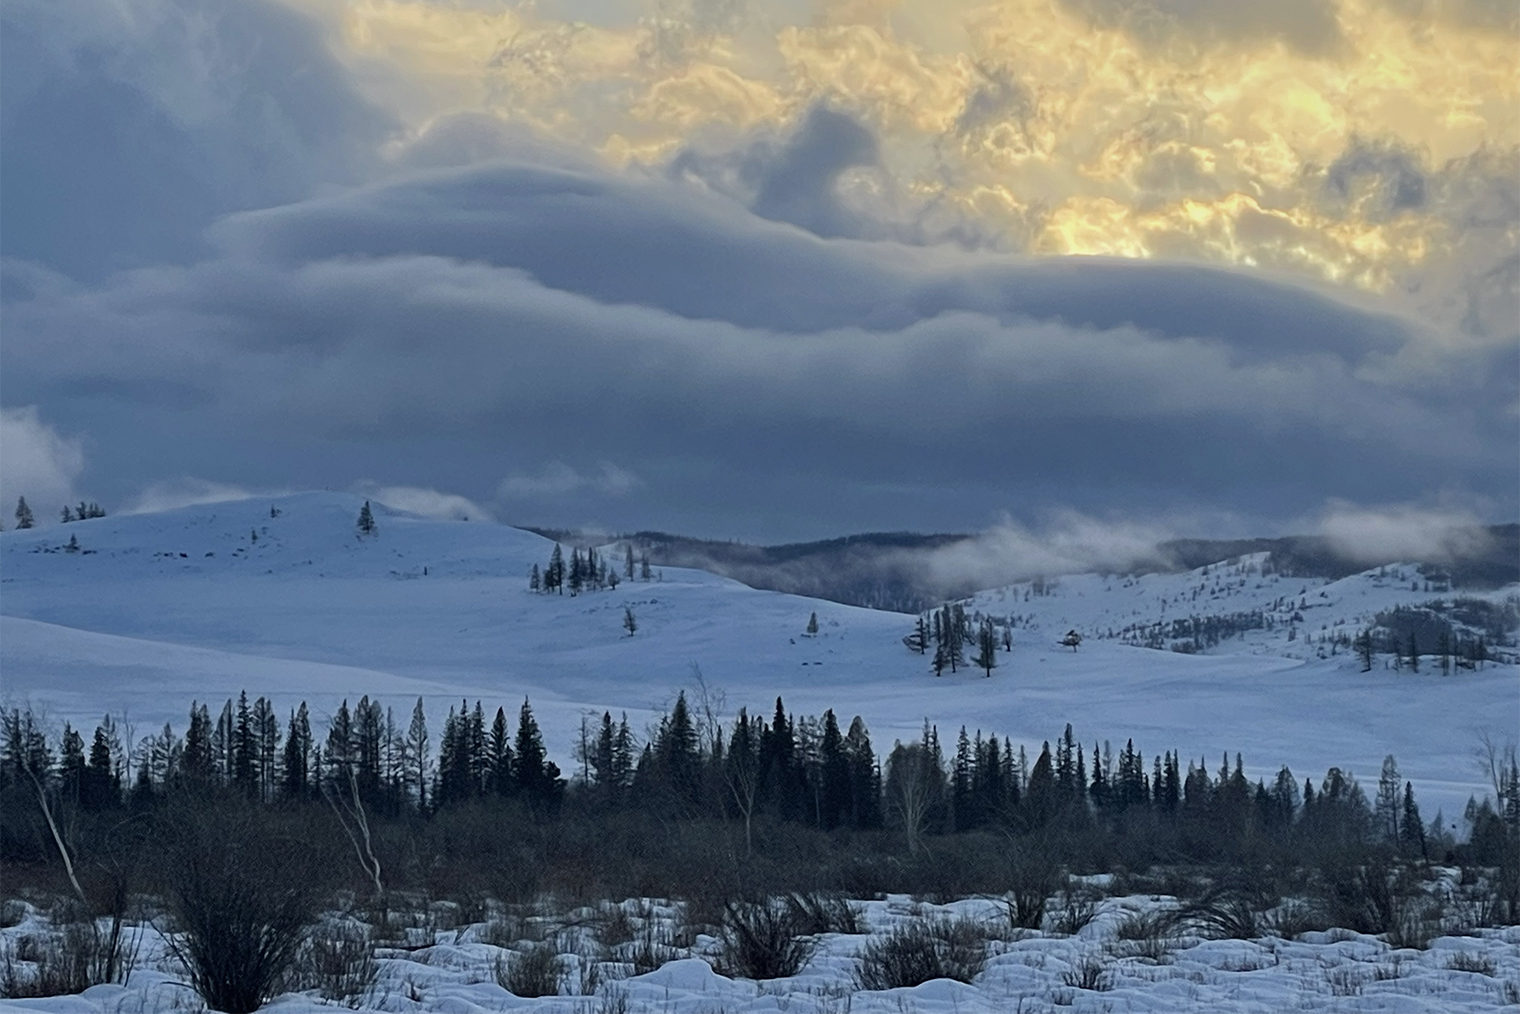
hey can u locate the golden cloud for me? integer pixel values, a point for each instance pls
(1057, 130)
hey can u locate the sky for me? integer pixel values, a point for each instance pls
(771, 271)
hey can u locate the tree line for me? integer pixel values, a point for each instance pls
(812, 771)
(85, 511)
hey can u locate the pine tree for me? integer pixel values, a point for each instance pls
(628, 562)
(1414, 653)
(499, 756)
(197, 763)
(986, 643)
(298, 747)
(1411, 828)
(67, 515)
(554, 574)
(630, 624)
(812, 625)
(417, 754)
(1364, 649)
(243, 747)
(531, 777)
(534, 581)
(102, 784)
(366, 520)
(644, 567)
(577, 572)
(340, 744)
(24, 517)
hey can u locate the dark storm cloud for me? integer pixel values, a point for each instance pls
(128, 128)
(520, 320)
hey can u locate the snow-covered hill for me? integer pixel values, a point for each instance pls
(283, 598)
(1242, 605)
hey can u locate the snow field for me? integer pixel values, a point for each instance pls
(200, 603)
(456, 970)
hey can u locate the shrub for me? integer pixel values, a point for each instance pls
(1076, 911)
(613, 926)
(243, 899)
(532, 973)
(1088, 973)
(814, 913)
(1290, 919)
(339, 963)
(1462, 961)
(66, 962)
(760, 940)
(651, 949)
(921, 950)
(1032, 880)
(1225, 918)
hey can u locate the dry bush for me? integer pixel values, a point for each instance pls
(814, 912)
(532, 973)
(1088, 973)
(761, 940)
(66, 961)
(1032, 880)
(1290, 919)
(243, 897)
(1227, 917)
(924, 949)
(612, 925)
(651, 949)
(338, 962)
(1463, 961)
(1076, 911)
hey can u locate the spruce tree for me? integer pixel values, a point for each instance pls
(417, 754)
(298, 747)
(197, 764)
(534, 581)
(812, 625)
(499, 756)
(630, 624)
(366, 520)
(24, 517)
(986, 643)
(1411, 828)
(529, 758)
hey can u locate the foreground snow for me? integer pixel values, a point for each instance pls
(199, 603)
(453, 971)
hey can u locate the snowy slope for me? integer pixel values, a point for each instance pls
(158, 609)
(1294, 617)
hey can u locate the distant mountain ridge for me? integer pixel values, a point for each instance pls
(885, 570)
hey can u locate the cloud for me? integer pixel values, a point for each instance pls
(1067, 543)
(37, 462)
(429, 503)
(187, 491)
(1403, 532)
(749, 370)
(557, 479)
(130, 127)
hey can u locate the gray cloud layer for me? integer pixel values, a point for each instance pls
(513, 316)
(643, 350)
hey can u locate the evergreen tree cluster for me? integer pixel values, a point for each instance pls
(588, 572)
(84, 512)
(943, 634)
